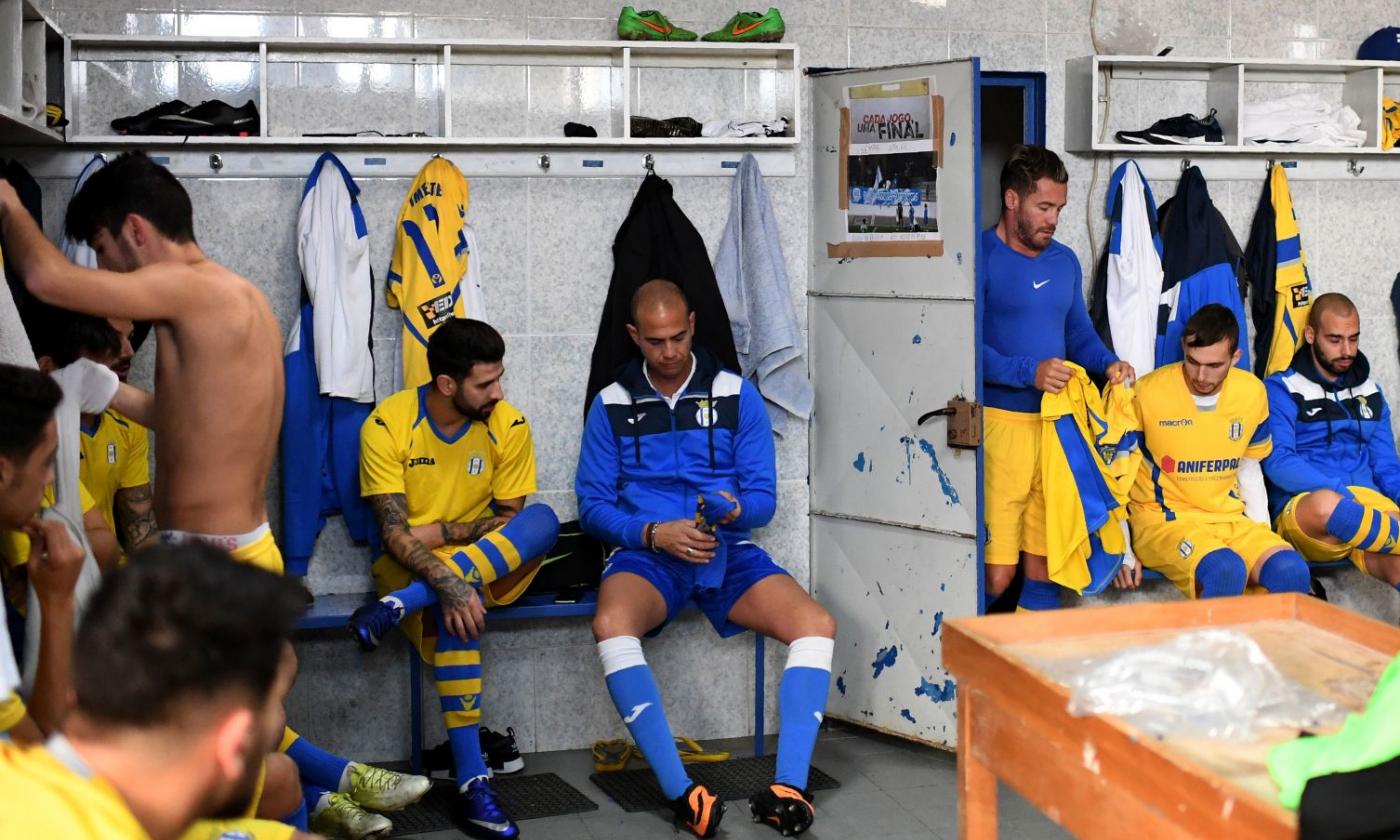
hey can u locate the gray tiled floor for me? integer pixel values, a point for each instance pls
(890, 789)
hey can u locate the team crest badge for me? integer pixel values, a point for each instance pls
(1236, 429)
(112, 450)
(1364, 409)
(704, 414)
(476, 465)
(1184, 548)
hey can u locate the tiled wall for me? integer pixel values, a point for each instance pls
(546, 244)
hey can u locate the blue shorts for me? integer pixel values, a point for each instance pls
(745, 565)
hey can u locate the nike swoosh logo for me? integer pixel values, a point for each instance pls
(664, 30)
(519, 421)
(1038, 285)
(741, 31)
(490, 826)
(1313, 411)
(636, 712)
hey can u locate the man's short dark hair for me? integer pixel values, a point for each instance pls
(654, 291)
(28, 398)
(1212, 324)
(1329, 302)
(64, 335)
(181, 627)
(1027, 165)
(133, 183)
(459, 344)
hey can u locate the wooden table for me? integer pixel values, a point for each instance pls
(1097, 776)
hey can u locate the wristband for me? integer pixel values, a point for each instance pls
(649, 536)
(445, 539)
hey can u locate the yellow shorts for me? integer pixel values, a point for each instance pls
(1175, 548)
(257, 547)
(263, 553)
(1321, 551)
(1013, 498)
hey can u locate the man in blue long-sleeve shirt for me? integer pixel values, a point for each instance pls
(1333, 476)
(1033, 319)
(673, 429)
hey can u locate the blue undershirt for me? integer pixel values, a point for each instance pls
(1033, 310)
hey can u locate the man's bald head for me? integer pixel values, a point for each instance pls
(658, 294)
(1333, 303)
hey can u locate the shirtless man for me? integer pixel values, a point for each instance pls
(217, 407)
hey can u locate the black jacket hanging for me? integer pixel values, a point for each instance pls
(32, 198)
(657, 241)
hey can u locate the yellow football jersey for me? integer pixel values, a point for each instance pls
(42, 797)
(429, 262)
(1191, 455)
(445, 479)
(1292, 285)
(115, 455)
(14, 545)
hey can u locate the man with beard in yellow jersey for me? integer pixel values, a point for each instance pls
(218, 378)
(178, 674)
(446, 467)
(1204, 430)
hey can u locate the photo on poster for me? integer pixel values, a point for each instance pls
(892, 177)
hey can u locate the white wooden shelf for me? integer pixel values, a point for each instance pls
(31, 73)
(1228, 86)
(628, 59)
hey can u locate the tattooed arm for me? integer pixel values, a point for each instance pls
(465, 533)
(461, 606)
(136, 517)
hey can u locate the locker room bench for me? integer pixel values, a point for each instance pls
(1151, 574)
(331, 612)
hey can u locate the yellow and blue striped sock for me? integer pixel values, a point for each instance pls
(1365, 527)
(457, 673)
(530, 533)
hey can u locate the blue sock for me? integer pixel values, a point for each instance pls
(1039, 595)
(801, 699)
(298, 819)
(1286, 571)
(528, 534)
(1346, 520)
(1364, 526)
(311, 794)
(315, 765)
(457, 674)
(1221, 573)
(638, 703)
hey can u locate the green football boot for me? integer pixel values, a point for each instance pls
(750, 26)
(649, 25)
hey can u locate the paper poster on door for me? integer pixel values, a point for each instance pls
(891, 165)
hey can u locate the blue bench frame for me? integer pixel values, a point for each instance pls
(1153, 574)
(332, 612)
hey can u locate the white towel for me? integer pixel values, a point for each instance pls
(753, 281)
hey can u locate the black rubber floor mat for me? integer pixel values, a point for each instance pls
(737, 778)
(523, 797)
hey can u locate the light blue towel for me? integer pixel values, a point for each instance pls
(753, 281)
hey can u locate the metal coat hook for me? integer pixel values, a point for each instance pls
(1354, 169)
(216, 162)
(650, 163)
(1185, 164)
(544, 162)
(1269, 166)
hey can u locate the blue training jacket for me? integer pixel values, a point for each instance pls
(641, 461)
(1328, 435)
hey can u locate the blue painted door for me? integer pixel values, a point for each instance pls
(895, 518)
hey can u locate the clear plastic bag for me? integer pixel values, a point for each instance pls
(1205, 683)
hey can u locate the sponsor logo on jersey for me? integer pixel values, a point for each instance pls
(1236, 429)
(437, 310)
(476, 465)
(430, 189)
(1208, 465)
(1302, 294)
(421, 462)
(1175, 422)
(1184, 548)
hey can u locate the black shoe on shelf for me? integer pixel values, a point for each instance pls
(141, 123)
(1185, 130)
(502, 754)
(673, 127)
(211, 118)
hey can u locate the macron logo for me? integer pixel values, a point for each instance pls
(636, 712)
(1038, 285)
